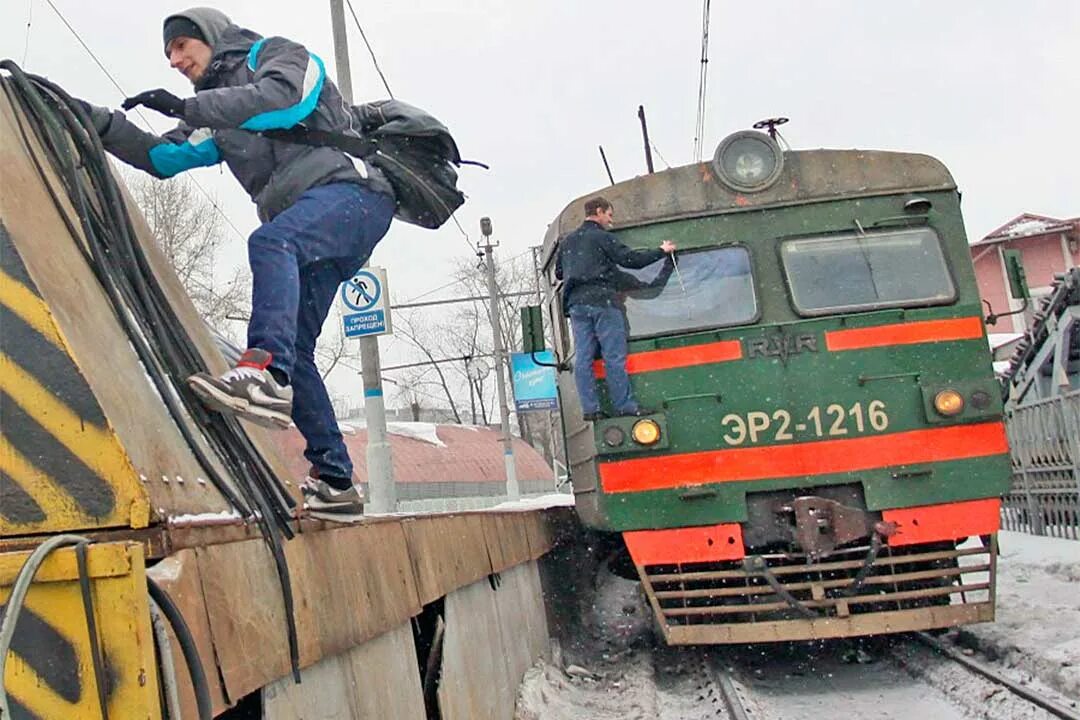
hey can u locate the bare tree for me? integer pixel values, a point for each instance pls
(512, 276)
(339, 350)
(419, 335)
(189, 230)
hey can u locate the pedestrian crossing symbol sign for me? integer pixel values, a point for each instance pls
(364, 300)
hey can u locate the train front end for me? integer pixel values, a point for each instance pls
(828, 452)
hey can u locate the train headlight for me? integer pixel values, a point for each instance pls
(748, 161)
(949, 403)
(614, 436)
(646, 432)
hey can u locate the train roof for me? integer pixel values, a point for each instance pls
(808, 175)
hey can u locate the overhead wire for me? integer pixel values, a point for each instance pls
(660, 155)
(29, 20)
(374, 60)
(457, 281)
(146, 121)
(703, 79)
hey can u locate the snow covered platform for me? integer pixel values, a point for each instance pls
(1037, 630)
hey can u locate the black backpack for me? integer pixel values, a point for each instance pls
(413, 150)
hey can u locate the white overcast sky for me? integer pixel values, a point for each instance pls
(990, 87)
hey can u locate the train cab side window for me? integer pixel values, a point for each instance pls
(709, 288)
(843, 273)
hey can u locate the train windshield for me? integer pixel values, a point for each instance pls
(707, 288)
(863, 271)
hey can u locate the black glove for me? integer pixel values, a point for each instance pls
(161, 100)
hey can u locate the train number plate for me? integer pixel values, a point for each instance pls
(832, 420)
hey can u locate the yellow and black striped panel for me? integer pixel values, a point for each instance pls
(50, 671)
(61, 465)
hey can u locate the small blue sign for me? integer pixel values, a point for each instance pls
(364, 301)
(534, 385)
(364, 323)
(361, 291)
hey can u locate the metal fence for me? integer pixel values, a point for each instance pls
(1044, 440)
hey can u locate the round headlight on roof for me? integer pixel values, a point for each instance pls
(748, 161)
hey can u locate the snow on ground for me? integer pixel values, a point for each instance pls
(1037, 630)
(1036, 636)
(616, 689)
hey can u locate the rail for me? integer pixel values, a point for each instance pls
(1050, 705)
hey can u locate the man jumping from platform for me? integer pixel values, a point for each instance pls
(322, 213)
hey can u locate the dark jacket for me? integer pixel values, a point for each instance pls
(588, 265)
(252, 84)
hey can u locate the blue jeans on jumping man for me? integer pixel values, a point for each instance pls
(604, 327)
(298, 261)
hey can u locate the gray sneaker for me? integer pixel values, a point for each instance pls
(248, 391)
(323, 500)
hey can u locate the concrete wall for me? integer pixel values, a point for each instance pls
(378, 679)
(493, 635)
(495, 630)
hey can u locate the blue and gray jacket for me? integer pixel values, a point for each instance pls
(252, 84)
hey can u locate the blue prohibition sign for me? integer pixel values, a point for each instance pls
(361, 291)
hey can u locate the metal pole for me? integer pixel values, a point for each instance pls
(512, 491)
(645, 137)
(380, 468)
(606, 166)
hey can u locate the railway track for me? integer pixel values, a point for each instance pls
(902, 677)
(691, 684)
(987, 671)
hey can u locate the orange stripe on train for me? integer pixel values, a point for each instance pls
(652, 360)
(924, 331)
(819, 457)
(930, 523)
(671, 546)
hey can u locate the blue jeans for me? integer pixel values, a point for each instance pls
(298, 260)
(604, 327)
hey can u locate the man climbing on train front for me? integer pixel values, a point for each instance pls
(588, 266)
(322, 213)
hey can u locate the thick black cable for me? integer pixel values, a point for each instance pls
(142, 308)
(245, 458)
(117, 294)
(91, 628)
(162, 319)
(187, 646)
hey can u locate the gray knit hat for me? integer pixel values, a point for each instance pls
(209, 23)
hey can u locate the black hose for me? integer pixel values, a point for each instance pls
(91, 629)
(187, 645)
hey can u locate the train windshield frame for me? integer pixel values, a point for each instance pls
(705, 288)
(867, 271)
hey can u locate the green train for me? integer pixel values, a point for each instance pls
(828, 453)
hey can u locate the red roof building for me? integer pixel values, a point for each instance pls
(438, 461)
(1047, 246)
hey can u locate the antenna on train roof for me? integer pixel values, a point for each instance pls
(606, 166)
(645, 138)
(769, 126)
